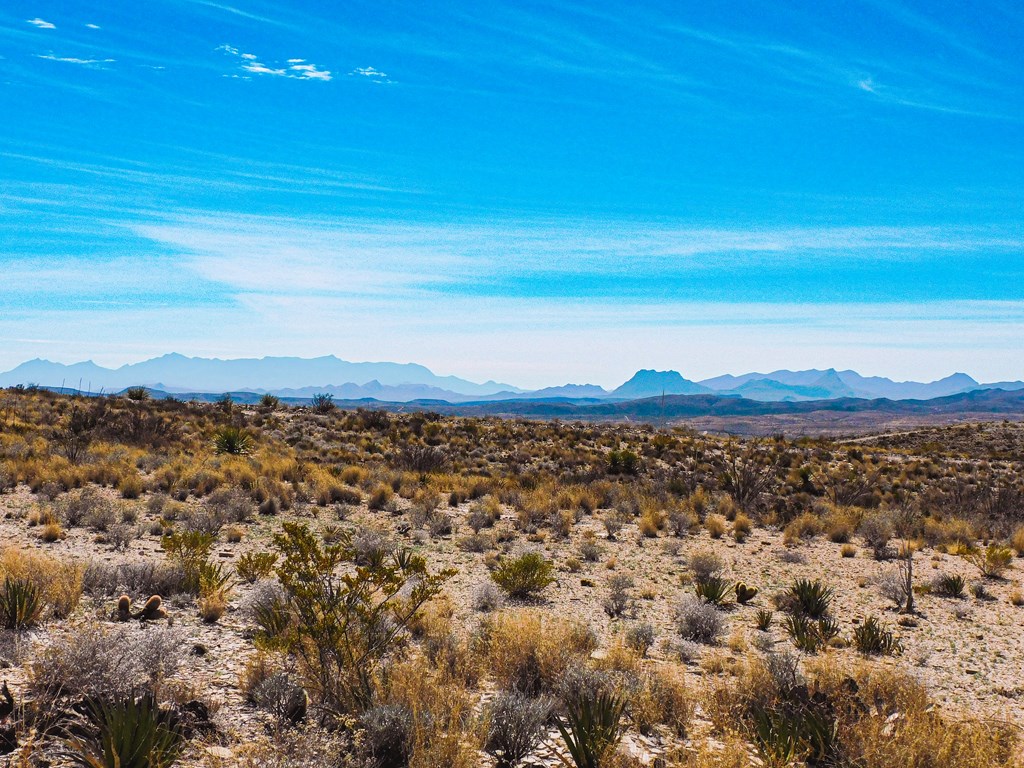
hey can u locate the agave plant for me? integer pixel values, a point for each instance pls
(872, 639)
(20, 604)
(811, 598)
(129, 733)
(713, 589)
(233, 440)
(591, 728)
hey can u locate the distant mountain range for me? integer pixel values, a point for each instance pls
(300, 378)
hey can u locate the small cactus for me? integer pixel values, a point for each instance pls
(124, 608)
(153, 609)
(745, 594)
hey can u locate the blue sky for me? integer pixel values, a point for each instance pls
(536, 193)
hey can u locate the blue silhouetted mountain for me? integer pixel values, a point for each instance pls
(648, 383)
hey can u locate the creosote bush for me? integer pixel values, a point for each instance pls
(524, 576)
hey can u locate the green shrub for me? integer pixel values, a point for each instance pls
(992, 562)
(763, 619)
(524, 576)
(255, 566)
(347, 624)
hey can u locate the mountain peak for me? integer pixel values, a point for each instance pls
(651, 383)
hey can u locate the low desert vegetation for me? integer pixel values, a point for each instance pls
(222, 584)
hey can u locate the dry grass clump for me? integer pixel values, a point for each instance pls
(58, 582)
(1017, 541)
(715, 525)
(873, 717)
(806, 526)
(662, 698)
(528, 651)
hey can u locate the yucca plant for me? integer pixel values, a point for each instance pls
(20, 604)
(713, 589)
(592, 726)
(795, 732)
(949, 585)
(763, 619)
(233, 440)
(872, 639)
(811, 598)
(129, 733)
(804, 632)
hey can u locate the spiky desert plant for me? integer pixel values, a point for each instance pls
(20, 604)
(130, 733)
(234, 441)
(591, 727)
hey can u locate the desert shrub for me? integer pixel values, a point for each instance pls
(529, 652)
(515, 726)
(741, 527)
(613, 522)
(872, 639)
(255, 566)
(105, 662)
(893, 586)
(525, 576)
(640, 637)
(847, 550)
(322, 402)
(121, 535)
(370, 544)
(993, 561)
(698, 621)
(949, 585)
(388, 733)
(190, 550)
(876, 530)
(347, 625)
(588, 548)
(1017, 541)
(704, 564)
(487, 597)
(662, 698)
(422, 458)
(715, 525)
(619, 598)
(75, 508)
(230, 505)
(682, 520)
(839, 525)
(138, 579)
(806, 526)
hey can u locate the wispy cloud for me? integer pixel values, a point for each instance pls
(373, 74)
(94, 63)
(293, 69)
(41, 23)
(92, 26)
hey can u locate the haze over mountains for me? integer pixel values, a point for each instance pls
(293, 377)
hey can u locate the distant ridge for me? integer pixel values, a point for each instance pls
(300, 378)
